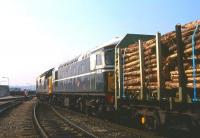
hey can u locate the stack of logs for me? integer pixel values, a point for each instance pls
(150, 66)
(169, 40)
(131, 66)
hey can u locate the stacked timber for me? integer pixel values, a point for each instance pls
(130, 62)
(150, 65)
(170, 62)
(131, 68)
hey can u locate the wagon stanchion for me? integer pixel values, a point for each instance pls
(181, 70)
(194, 65)
(142, 79)
(160, 81)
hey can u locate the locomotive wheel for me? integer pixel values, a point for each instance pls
(156, 121)
(100, 111)
(80, 106)
(134, 118)
(87, 108)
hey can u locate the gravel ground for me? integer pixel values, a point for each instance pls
(18, 122)
(104, 128)
(56, 127)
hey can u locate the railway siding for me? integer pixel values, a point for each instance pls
(18, 122)
(53, 126)
(101, 128)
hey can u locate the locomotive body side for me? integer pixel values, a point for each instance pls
(44, 86)
(86, 79)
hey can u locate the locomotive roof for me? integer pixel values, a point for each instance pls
(111, 42)
(47, 73)
(80, 57)
(120, 41)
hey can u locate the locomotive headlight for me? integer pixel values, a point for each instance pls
(142, 120)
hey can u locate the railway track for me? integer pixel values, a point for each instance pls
(103, 128)
(57, 122)
(52, 124)
(6, 104)
(17, 122)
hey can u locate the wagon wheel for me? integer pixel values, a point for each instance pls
(134, 118)
(156, 121)
(82, 106)
(152, 122)
(87, 108)
(194, 126)
(100, 110)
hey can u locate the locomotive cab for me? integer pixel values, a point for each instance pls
(110, 78)
(44, 86)
(109, 64)
(102, 62)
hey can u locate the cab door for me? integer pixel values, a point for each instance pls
(50, 86)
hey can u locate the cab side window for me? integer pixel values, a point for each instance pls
(98, 59)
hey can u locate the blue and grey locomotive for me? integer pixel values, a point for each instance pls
(86, 79)
(86, 82)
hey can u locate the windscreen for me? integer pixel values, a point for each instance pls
(109, 57)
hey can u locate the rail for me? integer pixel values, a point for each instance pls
(72, 123)
(37, 124)
(5, 105)
(42, 129)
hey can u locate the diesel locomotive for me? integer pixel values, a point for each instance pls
(86, 81)
(97, 82)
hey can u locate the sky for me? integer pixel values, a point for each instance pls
(36, 35)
